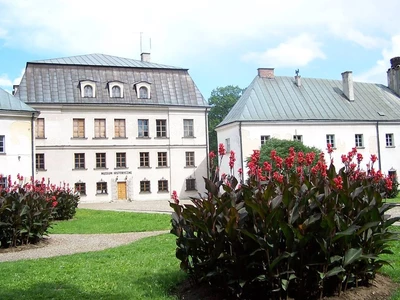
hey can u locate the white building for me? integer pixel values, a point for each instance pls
(16, 138)
(118, 128)
(317, 111)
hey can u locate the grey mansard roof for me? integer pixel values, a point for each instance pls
(280, 99)
(58, 81)
(10, 103)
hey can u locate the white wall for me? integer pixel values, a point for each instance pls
(18, 155)
(314, 134)
(59, 149)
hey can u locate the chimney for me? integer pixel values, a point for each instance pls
(297, 79)
(15, 89)
(266, 73)
(145, 57)
(348, 89)
(393, 75)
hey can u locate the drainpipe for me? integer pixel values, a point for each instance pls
(207, 146)
(379, 145)
(241, 148)
(32, 147)
(169, 153)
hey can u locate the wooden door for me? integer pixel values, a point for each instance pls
(121, 190)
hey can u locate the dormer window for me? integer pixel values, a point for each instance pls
(88, 89)
(116, 89)
(143, 89)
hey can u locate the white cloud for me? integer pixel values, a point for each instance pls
(294, 52)
(377, 73)
(17, 80)
(5, 81)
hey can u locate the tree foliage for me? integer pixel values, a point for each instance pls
(222, 100)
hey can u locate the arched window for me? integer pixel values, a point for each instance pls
(88, 91)
(143, 93)
(116, 92)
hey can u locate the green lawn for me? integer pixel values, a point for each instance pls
(394, 200)
(146, 269)
(97, 221)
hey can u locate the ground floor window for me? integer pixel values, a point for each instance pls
(80, 187)
(163, 185)
(145, 186)
(3, 182)
(101, 187)
(191, 184)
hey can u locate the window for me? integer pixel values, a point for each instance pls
(40, 161)
(389, 140)
(2, 144)
(298, 138)
(144, 159)
(100, 160)
(330, 139)
(101, 187)
(143, 93)
(116, 92)
(88, 91)
(39, 129)
(145, 186)
(359, 140)
(79, 160)
(119, 128)
(79, 128)
(121, 160)
(191, 184)
(3, 181)
(143, 128)
(162, 159)
(188, 128)
(189, 159)
(99, 128)
(264, 139)
(228, 145)
(161, 128)
(163, 185)
(81, 188)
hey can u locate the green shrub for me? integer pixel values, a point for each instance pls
(302, 231)
(67, 202)
(27, 209)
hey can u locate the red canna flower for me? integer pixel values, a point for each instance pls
(221, 149)
(174, 197)
(232, 159)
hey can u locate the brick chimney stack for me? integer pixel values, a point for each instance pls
(145, 57)
(266, 73)
(348, 89)
(393, 75)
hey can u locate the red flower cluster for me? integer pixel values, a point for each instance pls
(338, 182)
(330, 149)
(221, 149)
(232, 160)
(211, 155)
(174, 197)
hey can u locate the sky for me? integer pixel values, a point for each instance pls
(221, 42)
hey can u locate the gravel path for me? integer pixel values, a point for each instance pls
(64, 244)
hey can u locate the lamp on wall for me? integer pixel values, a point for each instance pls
(126, 177)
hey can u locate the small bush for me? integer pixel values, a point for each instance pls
(302, 231)
(27, 209)
(67, 202)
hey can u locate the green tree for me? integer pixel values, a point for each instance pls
(222, 100)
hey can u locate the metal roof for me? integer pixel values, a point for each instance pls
(10, 103)
(280, 99)
(102, 60)
(60, 83)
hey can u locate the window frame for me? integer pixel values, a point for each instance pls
(40, 162)
(79, 161)
(389, 139)
(101, 160)
(298, 138)
(100, 129)
(119, 125)
(101, 188)
(264, 139)
(161, 128)
(120, 160)
(143, 128)
(2, 144)
(330, 139)
(145, 186)
(188, 128)
(359, 140)
(228, 145)
(162, 159)
(163, 185)
(87, 83)
(143, 84)
(190, 184)
(78, 128)
(190, 159)
(3, 182)
(144, 159)
(81, 191)
(39, 128)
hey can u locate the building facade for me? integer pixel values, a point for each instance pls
(16, 138)
(117, 128)
(344, 113)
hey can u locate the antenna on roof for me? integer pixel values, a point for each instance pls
(141, 50)
(297, 72)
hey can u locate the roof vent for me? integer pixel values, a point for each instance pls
(145, 56)
(381, 113)
(348, 89)
(266, 73)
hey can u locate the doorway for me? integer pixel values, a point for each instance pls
(121, 190)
